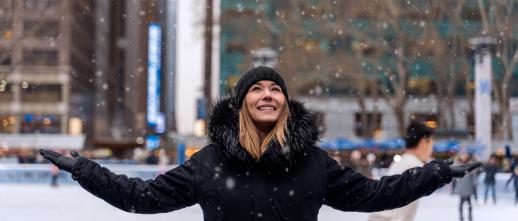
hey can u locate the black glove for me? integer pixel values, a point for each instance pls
(62, 162)
(460, 170)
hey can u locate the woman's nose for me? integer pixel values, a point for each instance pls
(267, 94)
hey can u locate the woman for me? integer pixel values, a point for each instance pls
(262, 163)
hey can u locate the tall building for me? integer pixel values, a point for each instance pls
(46, 53)
(82, 68)
(135, 72)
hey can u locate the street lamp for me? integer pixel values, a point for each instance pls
(264, 57)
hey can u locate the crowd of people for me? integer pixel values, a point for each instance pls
(467, 188)
(139, 156)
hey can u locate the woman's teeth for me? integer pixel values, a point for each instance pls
(266, 108)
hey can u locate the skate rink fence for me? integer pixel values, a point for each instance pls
(26, 194)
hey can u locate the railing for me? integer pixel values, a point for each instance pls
(42, 174)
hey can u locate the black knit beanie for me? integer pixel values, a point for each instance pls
(254, 75)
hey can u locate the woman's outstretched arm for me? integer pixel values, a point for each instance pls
(170, 191)
(348, 190)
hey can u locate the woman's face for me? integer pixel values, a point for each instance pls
(265, 101)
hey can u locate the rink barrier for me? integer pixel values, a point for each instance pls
(42, 174)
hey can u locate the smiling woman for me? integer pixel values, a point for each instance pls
(265, 102)
(262, 162)
(263, 116)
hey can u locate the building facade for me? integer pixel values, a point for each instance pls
(81, 68)
(126, 32)
(46, 68)
(365, 69)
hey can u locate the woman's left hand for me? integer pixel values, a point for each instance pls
(61, 161)
(460, 171)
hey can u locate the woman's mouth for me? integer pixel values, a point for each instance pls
(266, 108)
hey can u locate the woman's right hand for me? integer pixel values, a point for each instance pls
(61, 161)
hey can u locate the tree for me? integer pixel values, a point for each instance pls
(346, 44)
(318, 30)
(498, 22)
(448, 56)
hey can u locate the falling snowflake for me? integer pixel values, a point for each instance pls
(230, 183)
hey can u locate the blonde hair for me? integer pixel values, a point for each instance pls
(249, 137)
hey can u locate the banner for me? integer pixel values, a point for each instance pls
(153, 70)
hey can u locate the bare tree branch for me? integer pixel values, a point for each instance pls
(483, 14)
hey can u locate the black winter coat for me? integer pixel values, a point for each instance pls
(287, 183)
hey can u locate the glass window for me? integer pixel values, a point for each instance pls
(471, 13)
(35, 123)
(41, 29)
(321, 120)
(495, 123)
(367, 124)
(6, 28)
(421, 86)
(41, 4)
(235, 47)
(7, 123)
(430, 119)
(6, 91)
(6, 6)
(41, 93)
(5, 57)
(40, 57)
(514, 90)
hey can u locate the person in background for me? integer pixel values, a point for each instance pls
(514, 177)
(476, 173)
(25, 156)
(419, 149)
(465, 187)
(510, 161)
(359, 163)
(153, 158)
(337, 156)
(490, 170)
(54, 172)
(509, 155)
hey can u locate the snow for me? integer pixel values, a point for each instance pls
(25, 202)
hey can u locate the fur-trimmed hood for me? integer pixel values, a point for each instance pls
(302, 133)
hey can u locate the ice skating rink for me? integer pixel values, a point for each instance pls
(27, 202)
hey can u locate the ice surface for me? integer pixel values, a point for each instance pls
(26, 202)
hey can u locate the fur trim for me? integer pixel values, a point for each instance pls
(223, 130)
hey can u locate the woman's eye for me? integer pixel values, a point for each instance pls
(276, 89)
